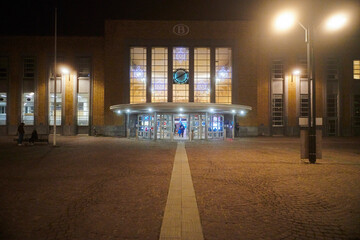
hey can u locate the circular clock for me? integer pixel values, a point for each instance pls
(180, 76)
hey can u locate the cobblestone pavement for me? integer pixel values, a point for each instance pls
(257, 188)
(88, 188)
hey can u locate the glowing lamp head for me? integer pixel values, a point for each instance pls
(336, 22)
(284, 21)
(242, 112)
(296, 72)
(150, 109)
(65, 70)
(118, 111)
(233, 111)
(127, 110)
(211, 110)
(180, 109)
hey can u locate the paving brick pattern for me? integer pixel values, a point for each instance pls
(88, 188)
(258, 189)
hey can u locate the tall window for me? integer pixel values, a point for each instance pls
(356, 97)
(332, 94)
(83, 97)
(304, 101)
(356, 69)
(58, 96)
(27, 114)
(356, 118)
(159, 74)
(202, 75)
(277, 93)
(138, 75)
(3, 88)
(223, 65)
(180, 66)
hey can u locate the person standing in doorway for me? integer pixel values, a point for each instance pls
(21, 133)
(181, 130)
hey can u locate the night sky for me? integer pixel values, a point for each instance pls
(86, 18)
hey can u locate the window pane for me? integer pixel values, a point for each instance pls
(356, 113)
(83, 109)
(180, 61)
(356, 69)
(277, 93)
(3, 98)
(58, 109)
(223, 75)
(159, 74)
(28, 108)
(138, 75)
(202, 75)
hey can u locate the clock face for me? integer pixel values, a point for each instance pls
(181, 76)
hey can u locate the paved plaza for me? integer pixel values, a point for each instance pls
(116, 188)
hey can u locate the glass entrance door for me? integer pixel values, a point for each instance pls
(198, 126)
(145, 126)
(181, 127)
(216, 126)
(164, 126)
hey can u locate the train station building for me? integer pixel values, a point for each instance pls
(146, 79)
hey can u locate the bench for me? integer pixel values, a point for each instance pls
(41, 138)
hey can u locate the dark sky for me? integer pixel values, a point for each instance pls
(86, 18)
(80, 17)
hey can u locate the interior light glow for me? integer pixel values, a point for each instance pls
(150, 109)
(336, 22)
(233, 111)
(284, 21)
(242, 112)
(211, 110)
(180, 109)
(119, 111)
(127, 110)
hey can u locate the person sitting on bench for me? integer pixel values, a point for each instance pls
(34, 137)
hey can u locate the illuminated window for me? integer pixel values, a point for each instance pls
(159, 74)
(2, 108)
(277, 93)
(83, 100)
(223, 75)
(180, 61)
(3, 88)
(58, 96)
(58, 109)
(356, 69)
(138, 75)
(27, 114)
(202, 75)
(28, 108)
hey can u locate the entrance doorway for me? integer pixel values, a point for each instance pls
(181, 127)
(145, 126)
(167, 125)
(164, 126)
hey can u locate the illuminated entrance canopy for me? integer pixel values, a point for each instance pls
(181, 107)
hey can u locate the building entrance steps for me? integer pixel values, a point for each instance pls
(181, 218)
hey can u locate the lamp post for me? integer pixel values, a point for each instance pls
(285, 21)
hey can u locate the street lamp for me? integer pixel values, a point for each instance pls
(296, 72)
(286, 20)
